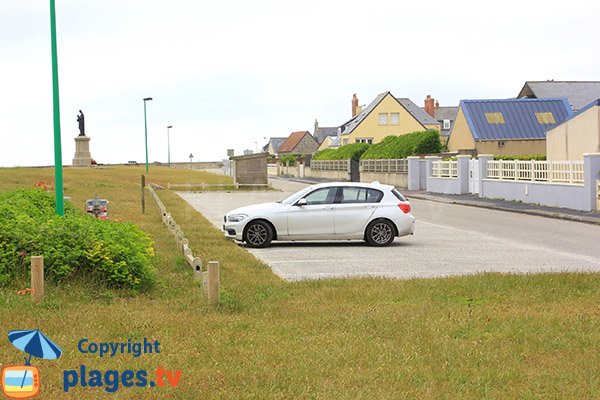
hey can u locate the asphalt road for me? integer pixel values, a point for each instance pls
(449, 240)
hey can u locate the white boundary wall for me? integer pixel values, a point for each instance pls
(562, 184)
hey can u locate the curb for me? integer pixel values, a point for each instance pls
(539, 213)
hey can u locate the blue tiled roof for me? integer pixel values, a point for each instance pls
(520, 121)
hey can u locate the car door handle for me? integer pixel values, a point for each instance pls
(328, 208)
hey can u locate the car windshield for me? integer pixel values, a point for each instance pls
(297, 196)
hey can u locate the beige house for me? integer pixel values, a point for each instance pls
(576, 136)
(511, 127)
(385, 116)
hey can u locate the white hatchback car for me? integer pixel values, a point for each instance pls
(372, 212)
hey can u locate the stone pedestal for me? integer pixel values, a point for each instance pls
(82, 158)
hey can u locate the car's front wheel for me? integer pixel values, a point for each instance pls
(380, 233)
(258, 234)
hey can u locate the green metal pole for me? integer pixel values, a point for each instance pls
(146, 135)
(58, 173)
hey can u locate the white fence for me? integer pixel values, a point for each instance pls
(385, 166)
(444, 169)
(566, 172)
(330, 165)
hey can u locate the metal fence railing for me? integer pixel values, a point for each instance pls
(568, 172)
(399, 166)
(330, 165)
(444, 169)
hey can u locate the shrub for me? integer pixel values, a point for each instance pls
(350, 151)
(76, 245)
(522, 158)
(289, 160)
(415, 143)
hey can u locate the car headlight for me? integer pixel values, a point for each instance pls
(236, 217)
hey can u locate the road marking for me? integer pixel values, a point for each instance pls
(514, 243)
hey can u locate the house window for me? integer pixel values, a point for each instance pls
(383, 118)
(364, 140)
(446, 124)
(394, 119)
(494, 118)
(545, 118)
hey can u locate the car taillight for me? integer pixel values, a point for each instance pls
(405, 207)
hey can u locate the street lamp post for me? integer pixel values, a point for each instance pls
(58, 173)
(169, 144)
(146, 130)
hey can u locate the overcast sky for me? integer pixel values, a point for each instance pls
(227, 74)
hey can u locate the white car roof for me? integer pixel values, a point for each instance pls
(373, 185)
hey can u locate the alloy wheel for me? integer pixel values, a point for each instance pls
(381, 233)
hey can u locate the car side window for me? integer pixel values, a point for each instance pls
(360, 195)
(353, 195)
(321, 196)
(374, 196)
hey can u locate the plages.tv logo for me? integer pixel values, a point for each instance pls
(23, 381)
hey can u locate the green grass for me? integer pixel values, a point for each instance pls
(485, 336)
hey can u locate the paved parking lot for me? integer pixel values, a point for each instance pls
(449, 240)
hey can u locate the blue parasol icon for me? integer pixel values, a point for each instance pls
(34, 343)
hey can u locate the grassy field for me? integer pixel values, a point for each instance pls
(489, 336)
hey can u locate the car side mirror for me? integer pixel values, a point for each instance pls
(301, 202)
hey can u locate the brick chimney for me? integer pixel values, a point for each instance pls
(354, 105)
(429, 106)
(316, 126)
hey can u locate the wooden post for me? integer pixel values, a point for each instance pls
(37, 278)
(143, 194)
(213, 283)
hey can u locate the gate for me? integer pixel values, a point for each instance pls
(354, 171)
(474, 176)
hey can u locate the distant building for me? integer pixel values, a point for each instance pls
(272, 147)
(579, 93)
(444, 115)
(321, 133)
(510, 127)
(299, 143)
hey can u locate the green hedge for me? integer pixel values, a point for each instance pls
(522, 158)
(76, 245)
(415, 143)
(350, 151)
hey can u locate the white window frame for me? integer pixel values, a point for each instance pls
(397, 118)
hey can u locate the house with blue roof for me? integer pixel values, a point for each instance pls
(576, 136)
(510, 127)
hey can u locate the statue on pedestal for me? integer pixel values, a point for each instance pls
(81, 121)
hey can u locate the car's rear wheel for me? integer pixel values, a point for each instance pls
(258, 234)
(380, 233)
